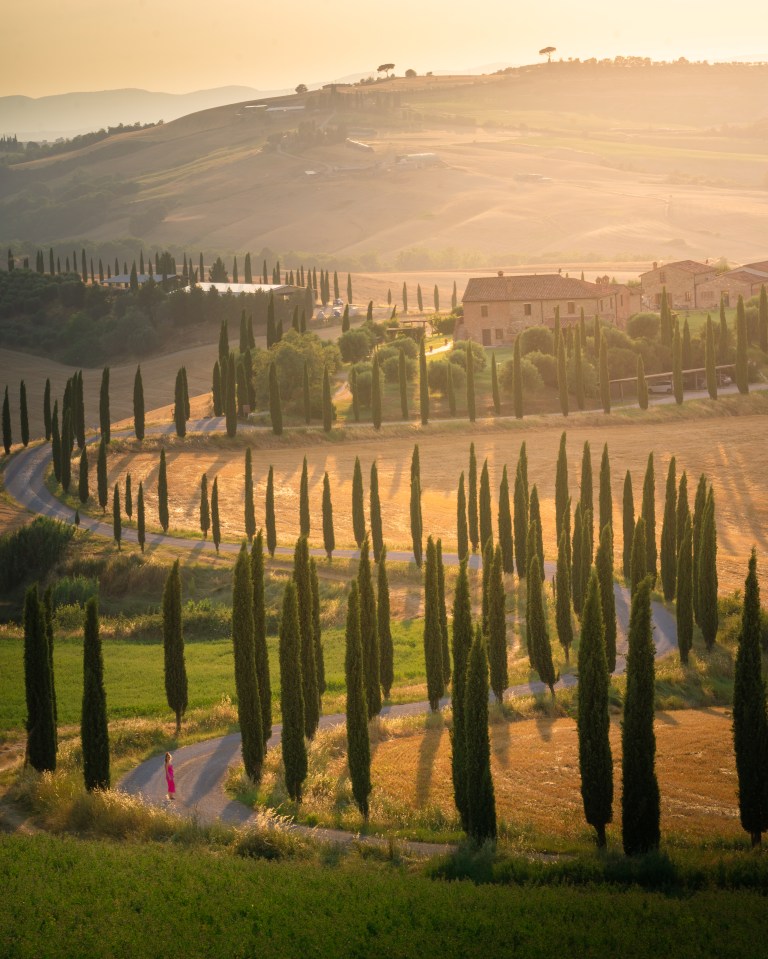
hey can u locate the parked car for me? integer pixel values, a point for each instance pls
(660, 386)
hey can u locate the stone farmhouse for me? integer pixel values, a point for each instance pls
(497, 308)
(681, 280)
(744, 281)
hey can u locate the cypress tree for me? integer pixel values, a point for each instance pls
(709, 359)
(377, 535)
(424, 385)
(306, 395)
(246, 683)
(173, 646)
(606, 497)
(327, 402)
(595, 758)
(605, 383)
(82, 486)
(563, 620)
(128, 497)
(723, 341)
(275, 404)
(604, 567)
(586, 495)
(250, 513)
(640, 789)
(66, 451)
(481, 803)
(230, 401)
(104, 417)
(47, 409)
(666, 318)
(260, 636)
(577, 558)
(302, 578)
(505, 526)
(358, 742)
(162, 493)
(433, 643)
(472, 517)
(179, 419)
(443, 615)
(355, 395)
(376, 394)
(750, 727)
(642, 386)
(683, 510)
(304, 524)
(216, 391)
(94, 732)
(329, 539)
(117, 523)
(561, 486)
(562, 379)
(497, 628)
(417, 527)
(628, 521)
(80, 418)
(523, 464)
(383, 621)
(462, 534)
(405, 298)
(269, 513)
(140, 536)
(762, 319)
(215, 523)
(205, 513)
(638, 568)
(471, 382)
(369, 633)
(486, 520)
(517, 380)
(495, 386)
(742, 368)
(450, 389)
(707, 573)
(684, 608)
(7, 435)
(649, 515)
(699, 505)
(677, 365)
(520, 523)
(540, 648)
(462, 642)
(669, 535)
(291, 695)
(579, 369)
(101, 475)
(358, 509)
(487, 563)
(48, 617)
(403, 383)
(55, 439)
(38, 681)
(534, 513)
(23, 414)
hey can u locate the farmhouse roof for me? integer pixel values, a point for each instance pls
(759, 267)
(544, 286)
(240, 288)
(746, 275)
(686, 266)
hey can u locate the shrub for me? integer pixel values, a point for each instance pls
(532, 381)
(644, 325)
(354, 345)
(622, 362)
(32, 550)
(546, 365)
(391, 369)
(459, 355)
(536, 339)
(74, 591)
(437, 374)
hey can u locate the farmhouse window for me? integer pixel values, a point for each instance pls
(662, 276)
(486, 337)
(726, 298)
(688, 296)
(571, 308)
(483, 310)
(499, 333)
(527, 309)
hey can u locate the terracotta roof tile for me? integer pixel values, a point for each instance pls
(545, 286)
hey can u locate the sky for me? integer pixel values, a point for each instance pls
(83, 45)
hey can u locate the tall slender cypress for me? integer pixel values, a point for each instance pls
(384, 624)
(642, 386)
(23, 414)
(638, 569)
(94, 732)
(376, 394)
(173, 646)
(55, 438)
(684, 605)
(104, 417)
(605, 383)
(205, 512)
(669, 535)
(707, 573)
(217, 391)
(604, 568)
(742, 367)
(520, 524)
(82, 486)
(534, 517)
(462, 533)
(579, 370)
(260, 635)
(162, 493)
(578, 574)
(540, 648)
(417, 527)
(329, 538)
(683, 510)
(562, 379)
(640, 790)
(317, 631)
(700, 503)
(369, 632)
(358, 508)
(304, 523)
(563, 621)
(269, 513)
(38, 681)
(291, 695)
(377, 534)
(709, 359)
(230, 398)
(179, 419)
(595, 758)
(497, 628)
(462, 642)
(472, 517)
(442, 614)
(561, 485)
(327, 402)
(433, 644)
(470, 382)
(586, 496)
(481, 803)
(47, 409)
(606, 497)
(117, 523)
(302, 578)
(66, 451)
(275, 404)
(486, 519)
(677, 365)
(750, 727)
(517, 380)
(358, 741)
(649, 515)
(505, 525)
(101, 475)
(423, 385)
(628, 525)
(250, 513)
(403, 384)
(140, 534)
(128, 496)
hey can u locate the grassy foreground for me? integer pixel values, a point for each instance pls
(102, 899)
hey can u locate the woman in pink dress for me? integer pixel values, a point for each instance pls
(169, 776)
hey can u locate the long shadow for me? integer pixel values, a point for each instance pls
(544, 727)
(430, 744)
(209, 776)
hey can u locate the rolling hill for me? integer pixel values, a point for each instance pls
(622, 160)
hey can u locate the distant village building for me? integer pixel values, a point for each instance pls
(497, 308)
(238, 289)
(681, 279)
(744, 281)
(123, 280)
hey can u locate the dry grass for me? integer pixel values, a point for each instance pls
(722, 448)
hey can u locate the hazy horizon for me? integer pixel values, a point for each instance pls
(74, 48)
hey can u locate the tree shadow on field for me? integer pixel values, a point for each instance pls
(430, 745)
(667, 719)
(544, 725)
(394, 483)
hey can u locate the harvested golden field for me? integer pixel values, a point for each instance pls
(727, 450)
(535, 766)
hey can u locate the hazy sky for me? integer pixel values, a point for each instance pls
(51, 46)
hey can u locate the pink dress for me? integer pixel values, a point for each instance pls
(169, 779)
